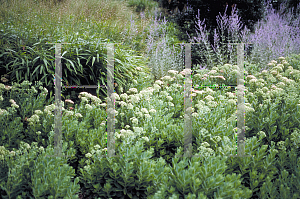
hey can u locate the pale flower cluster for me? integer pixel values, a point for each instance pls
(13, 103)
(152, 111)
(124, 96)
(85, 97)
(33, 119)
(173, 72)
(48, 109)
(134, 98)
(158, 82)
(69, 113)
(3, 111)
(88, 107)
(124, 133)
(133, 90)
(166, 78)
(134, 120)
(123, 103)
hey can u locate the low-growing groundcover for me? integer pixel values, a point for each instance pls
(149, 133)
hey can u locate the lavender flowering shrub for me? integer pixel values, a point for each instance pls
(275, 36)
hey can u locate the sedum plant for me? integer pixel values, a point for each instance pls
(28, 172)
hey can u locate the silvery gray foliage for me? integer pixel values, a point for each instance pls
(163, 57)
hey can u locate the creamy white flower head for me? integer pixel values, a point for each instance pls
(252, 81)
(88, 155)
(156, 87)
(271, 64)
(230, 95)
(195, 114)
(130, 106)
(84, 99)
(103, 104)
(201, 102)
(134, 120)
(212, 72)
(186, 71)
(274, 72)
(199, 92)
(88, 107)
(133, 90)
(209, 98)
(197, 76)
(159, 82)
(251, 77)
(3, 111)
(205, 144)
(140, 114)
(273, 86)
(264, 72)
(152, 111)
(38, 112)
(212, 104)
(290, 67)
(134, 98)
(146, 93)
(144, 110)
(115, 96)
(7, 87)
(68, 113)
(170, 104)
(169, 98)
(124, 96)
(216, 139)
(123, 103)
(69, 101)
(281, 58)
(127, 126)
(273, 61)
(261, 134)
(12, 153)
(232, 102)
(34, 118)
(84, 94)
(147, 116)
(123, 131)
(15, 105)
(12, 101)
(95, 99)
(265, 89)
(78, 115)
(166, 78)
(279, 67)
(173, 72)
(97, 146)
(146, 139)
(209, 90)
(281, 85)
